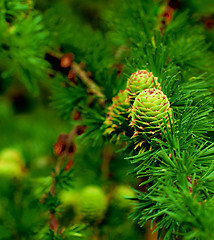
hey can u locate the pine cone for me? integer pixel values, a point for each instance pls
(11, 164)
(117, 113)
(148, 111)
(120, 195)
(68, 197)
(92, 203)
(139, 81)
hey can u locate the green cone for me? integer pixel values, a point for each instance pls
(120, 194)
(117, 113)
(148, 111)
(11, 163)
(139, 81)
(68, 197)
(92, 203)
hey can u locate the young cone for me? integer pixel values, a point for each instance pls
(148, 111)
(139, 81)
(92, 203)
(117, 113)
(120, 195)
(11, 163)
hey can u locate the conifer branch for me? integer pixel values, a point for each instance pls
(83, 76)
(162, 120)
(62, 148)
(92, 87)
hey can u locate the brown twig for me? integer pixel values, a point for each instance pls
(149, 234)
(107, 156)
(92, 87)
(84, 77)
(53, 223)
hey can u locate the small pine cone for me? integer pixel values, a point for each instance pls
(148, 111)
(91, 203)
(139, 81)
(11, 164)
(118, 112)
(120, 195)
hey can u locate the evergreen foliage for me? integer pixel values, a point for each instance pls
(98, 89)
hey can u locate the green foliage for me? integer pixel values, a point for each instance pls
(179, 163)
(64, 27)
(32, 134)
(64, 178)
(20, 213)
(174, 168)
(74, 232)
(93, 119)
(24, 43)
(179, 179)
(66, 96)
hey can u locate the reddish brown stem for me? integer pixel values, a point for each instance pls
(84, 77)
(54, 225)
(92, 87)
